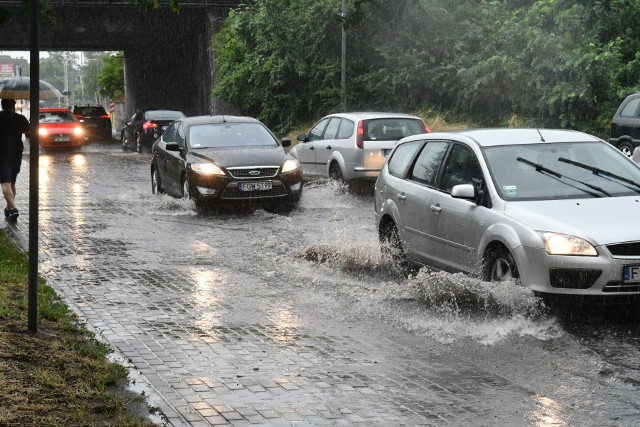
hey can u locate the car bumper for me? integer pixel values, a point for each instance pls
(48, 142)
(575, 275)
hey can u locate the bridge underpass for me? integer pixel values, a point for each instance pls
(168, 60)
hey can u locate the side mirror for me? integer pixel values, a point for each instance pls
(302, 138)
(636, 155)
(286, 142)
(172, 146)
(464, 191)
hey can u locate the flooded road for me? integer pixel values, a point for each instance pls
(253, 317)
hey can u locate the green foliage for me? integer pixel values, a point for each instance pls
(111, 77)
(553, 63)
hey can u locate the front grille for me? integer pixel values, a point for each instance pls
(573, 278)
(257, 172)
(619, 286)
(278, 190)
(631, 249)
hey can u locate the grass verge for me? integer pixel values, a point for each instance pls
(59, 376)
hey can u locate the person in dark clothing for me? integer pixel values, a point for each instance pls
(12, 126)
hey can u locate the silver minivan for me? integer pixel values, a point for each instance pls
(353, 146)
(555, 210)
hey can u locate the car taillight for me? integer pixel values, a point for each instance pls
(426, 128)
(104, 116)
(149, 125)
(360, 135)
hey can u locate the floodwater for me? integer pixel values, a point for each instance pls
(578, 361)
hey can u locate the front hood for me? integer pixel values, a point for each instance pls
(242, 156)
(601, 221)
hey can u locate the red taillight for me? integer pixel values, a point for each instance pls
(426, 128)
(104, 116)
(360, 135)
(149, 125)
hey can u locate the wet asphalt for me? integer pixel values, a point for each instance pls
(243, 318)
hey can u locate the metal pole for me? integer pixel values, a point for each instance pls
(343, 79)
(34, 159)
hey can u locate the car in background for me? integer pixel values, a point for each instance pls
(531, 206)
(94, 120)
(353, 146)
(624, 130)
(145, 127)
(59, 128)
(225, 160)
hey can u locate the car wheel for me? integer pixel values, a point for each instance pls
(124, 142)
(335, 173)
(392, 252)
(186, 194)
(499, 266)
(139, 144)
(626, 148)
(155, 182)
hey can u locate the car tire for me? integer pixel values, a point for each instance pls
(335, 173)
(499, 266)
(184, 184)
(156, 188)
(392, 252)
(123, 139)
(139, 144)
(626, 148)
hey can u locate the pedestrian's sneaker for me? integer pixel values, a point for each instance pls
(13, 215)
(6, 213)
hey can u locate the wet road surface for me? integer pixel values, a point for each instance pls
(256, 318)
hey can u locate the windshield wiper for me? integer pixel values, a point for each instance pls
(559, 177)
(604, 174)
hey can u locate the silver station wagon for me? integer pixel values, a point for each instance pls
(554, 210)
(353, 146)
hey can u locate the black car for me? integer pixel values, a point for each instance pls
(94, 120)
(223, 160)
(624, 131)
(145, 127)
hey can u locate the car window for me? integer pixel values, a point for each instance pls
(230, 135)
(90, 111)
(461, 167)
(332, 128)
(316, 132)
(56, 117)
(391, 129)
(168, 135)
(401, 158)
(179, 135)
(163, 115)
(425, 171)
(137, 116)
(630, 110)
(346, 129)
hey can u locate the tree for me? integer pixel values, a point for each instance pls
(111, 78)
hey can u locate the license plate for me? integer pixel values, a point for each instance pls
(62, 139)
(386, 152)
(255, 186)
(631, 273)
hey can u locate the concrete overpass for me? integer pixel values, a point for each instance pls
(168, 59)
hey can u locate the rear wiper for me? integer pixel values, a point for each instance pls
(604, 174)
(558, 177)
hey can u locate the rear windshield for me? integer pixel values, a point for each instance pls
(163, 115)
(230, 135)
(56, 117)
(392, 129)
(90, 111)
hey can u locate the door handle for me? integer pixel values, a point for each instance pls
(436, 209)
(312, 148)
(329, 147)
(401, 197)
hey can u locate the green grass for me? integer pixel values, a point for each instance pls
(59, 376)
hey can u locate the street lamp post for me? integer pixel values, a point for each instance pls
(343, 74)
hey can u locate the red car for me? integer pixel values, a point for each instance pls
(59, 128)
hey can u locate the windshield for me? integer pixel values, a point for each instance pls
(163, 115)
(56, 117)
(230, 135)
(561, 171)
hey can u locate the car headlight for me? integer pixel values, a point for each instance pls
(206, 169)
(77, 131)
(563, 244)
(290, 165)
(43, 132)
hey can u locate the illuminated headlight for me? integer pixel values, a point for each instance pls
(206, 169)
(43, 132)
(290, 165)
(77, 131)
(563, 244)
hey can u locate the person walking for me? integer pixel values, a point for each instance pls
(12, 126)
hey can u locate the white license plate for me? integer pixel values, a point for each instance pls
(62, 139)
(386, 152)
(255, 186)
(631, 273)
